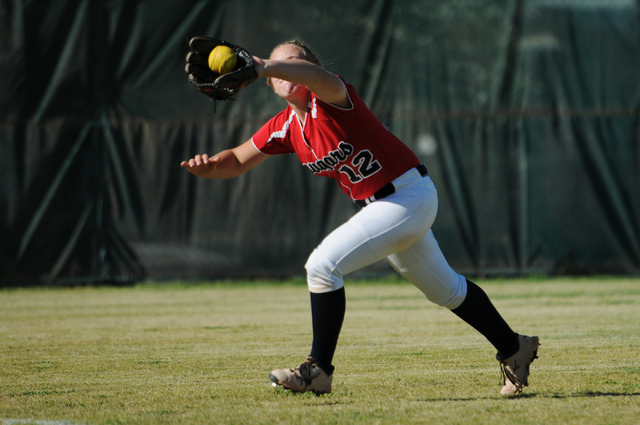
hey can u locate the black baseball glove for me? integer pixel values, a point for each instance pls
(214, 85)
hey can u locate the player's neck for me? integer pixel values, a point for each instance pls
(301, 114)
(300, 108)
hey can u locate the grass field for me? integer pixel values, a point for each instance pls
(201, 354)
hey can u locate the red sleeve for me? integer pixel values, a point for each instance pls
(274, 137)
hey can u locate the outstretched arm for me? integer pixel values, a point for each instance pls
(327, 86)
(226, 164)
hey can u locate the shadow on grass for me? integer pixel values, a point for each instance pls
(513, 397)
(585, 394)
(594, 394)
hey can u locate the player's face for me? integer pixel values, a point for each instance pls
(286, 89)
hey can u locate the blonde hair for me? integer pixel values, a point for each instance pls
(306, 51)
(304, 48)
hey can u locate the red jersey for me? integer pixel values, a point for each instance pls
(349, 145)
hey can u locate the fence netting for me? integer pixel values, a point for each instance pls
(525, 111)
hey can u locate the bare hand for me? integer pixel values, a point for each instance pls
(200, 165)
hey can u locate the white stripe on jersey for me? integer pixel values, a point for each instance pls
(282, 133)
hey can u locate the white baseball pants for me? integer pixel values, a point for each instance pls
(398, 228)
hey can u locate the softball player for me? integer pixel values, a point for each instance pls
(334, 134)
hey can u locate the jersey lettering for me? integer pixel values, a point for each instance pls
(353, 177)
(329, 162)
(365, 166)
(362, 166)
(368, 166)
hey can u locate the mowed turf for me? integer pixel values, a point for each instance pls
(201, 354)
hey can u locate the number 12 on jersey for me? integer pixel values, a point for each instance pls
(363, 166)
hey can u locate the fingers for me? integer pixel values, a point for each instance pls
(200, 160)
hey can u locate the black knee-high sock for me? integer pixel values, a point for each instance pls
(327, 313)
(478, 311)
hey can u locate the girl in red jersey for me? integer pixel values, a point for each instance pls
(334, 134)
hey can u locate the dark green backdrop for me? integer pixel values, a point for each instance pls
(526, 112)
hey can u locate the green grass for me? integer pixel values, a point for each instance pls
(201, 354)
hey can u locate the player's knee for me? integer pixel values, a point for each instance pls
(449, 293)
(322, 274)
(451, 296)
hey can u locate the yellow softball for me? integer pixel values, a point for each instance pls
(222, 59)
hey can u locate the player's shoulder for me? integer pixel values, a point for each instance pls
(278, 125)
(352, 92)
(281, 117)
(353, 98)
(350, 87)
